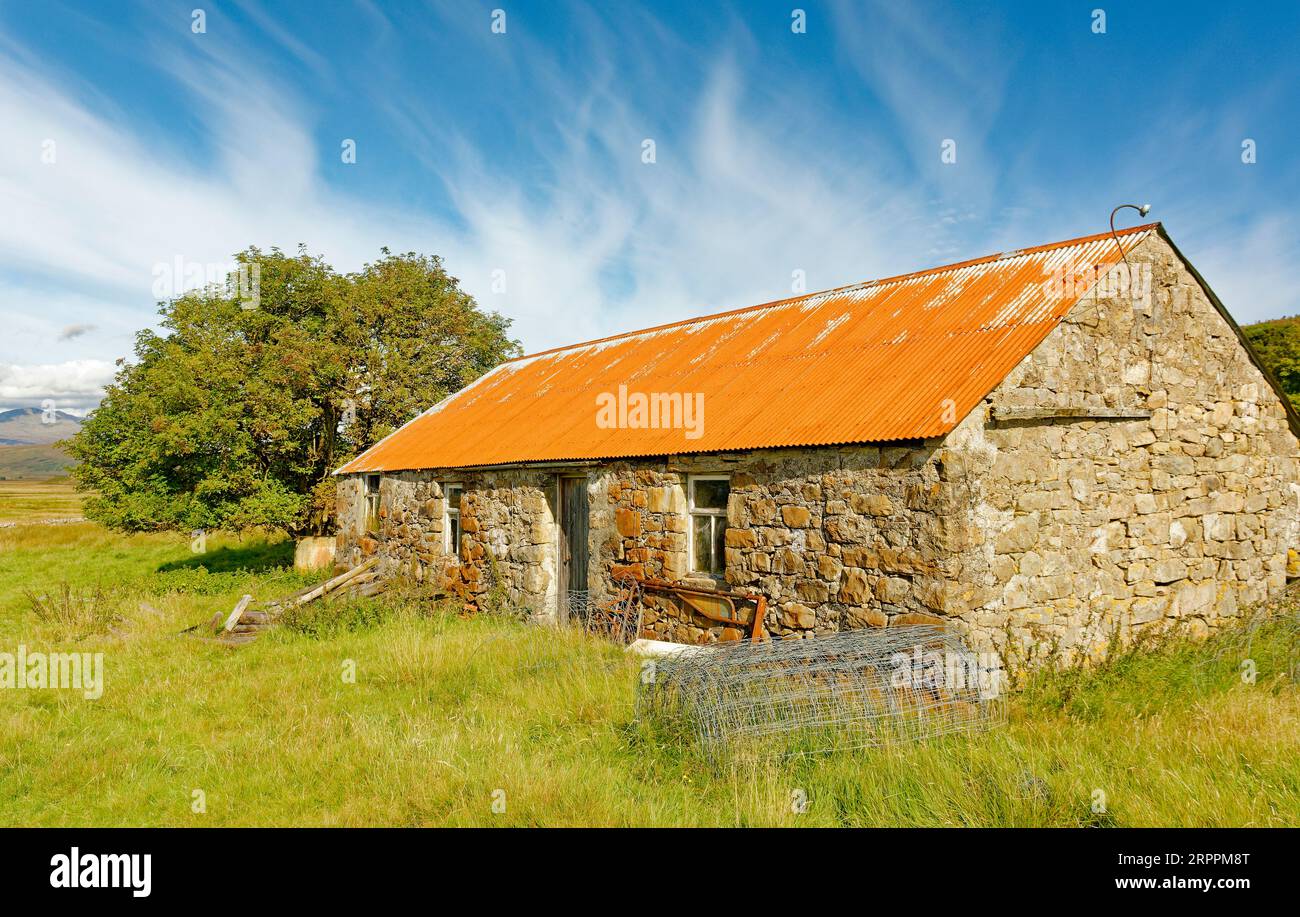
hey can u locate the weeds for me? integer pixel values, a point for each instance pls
(1263, 649)
(496, 600)
(75, 613)
(330, 617)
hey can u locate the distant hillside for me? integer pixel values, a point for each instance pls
(27, 427)
(1278, 344)
(29, 462)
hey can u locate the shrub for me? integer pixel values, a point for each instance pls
(324, 619)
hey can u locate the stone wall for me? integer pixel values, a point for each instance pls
(1088, 529)
(350, 521)
(508, 534)
(833, 537)
(1136, 469)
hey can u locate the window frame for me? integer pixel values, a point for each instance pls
(713, 514)
(370, 499)
(452, 547)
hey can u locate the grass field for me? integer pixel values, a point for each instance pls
(452, 721)
(29, 501)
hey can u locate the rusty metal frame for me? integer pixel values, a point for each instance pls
(689, 594)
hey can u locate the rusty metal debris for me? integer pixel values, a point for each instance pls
(618, 617)
(718, 605)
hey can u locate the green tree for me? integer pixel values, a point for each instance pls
(234, 417)
(1277, 343)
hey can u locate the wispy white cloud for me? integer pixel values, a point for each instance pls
(734, 203)
(753, 180)
(92, 211)
(750, 183)
(75, 386)
(1253, 272)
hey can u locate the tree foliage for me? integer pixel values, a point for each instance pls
(233, 417)
(1278, 345)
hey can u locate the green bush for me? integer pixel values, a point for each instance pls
(325, 619)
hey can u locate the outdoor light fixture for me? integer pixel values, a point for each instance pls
(1142, 211)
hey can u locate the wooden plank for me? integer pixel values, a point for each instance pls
(1075, 413)
(239, 610)
(335, 583)
(370, 589)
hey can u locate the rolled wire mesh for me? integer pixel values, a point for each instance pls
(855, 688)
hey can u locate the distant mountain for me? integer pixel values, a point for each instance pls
(29, 462)
(28, 427)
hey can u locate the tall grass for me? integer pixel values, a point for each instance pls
(409, 714)
(72, 613)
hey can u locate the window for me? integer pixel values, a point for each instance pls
(451, 517)
(707, 500)
(372, 503)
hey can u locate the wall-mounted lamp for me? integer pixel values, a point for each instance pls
(1142, 211)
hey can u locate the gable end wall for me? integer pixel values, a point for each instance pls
(1093, 528)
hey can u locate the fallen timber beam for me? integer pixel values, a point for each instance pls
(1001, 414)
(329, 586)
(235, 615)
(244, 624)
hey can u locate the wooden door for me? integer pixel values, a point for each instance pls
(575, 511)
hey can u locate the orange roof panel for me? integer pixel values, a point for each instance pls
(902, 358)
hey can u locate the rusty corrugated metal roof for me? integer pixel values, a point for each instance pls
(902, 358)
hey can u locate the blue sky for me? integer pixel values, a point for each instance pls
(519, 156)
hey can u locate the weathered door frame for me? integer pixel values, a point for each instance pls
(572, 496)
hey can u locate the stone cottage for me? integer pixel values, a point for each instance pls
(1052, 446)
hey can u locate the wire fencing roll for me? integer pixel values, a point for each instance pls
(856, 688)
